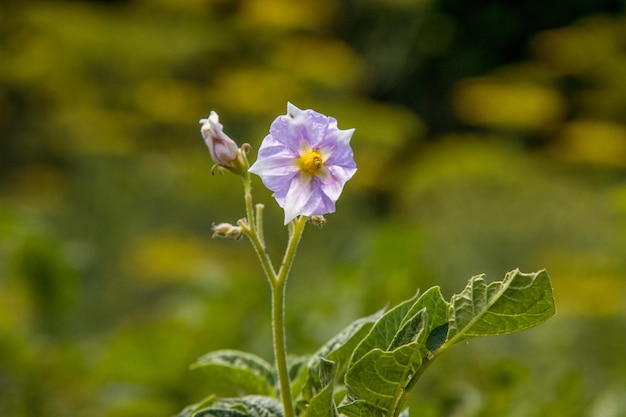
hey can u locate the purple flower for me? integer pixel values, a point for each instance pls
(305, 161)
(223, 149)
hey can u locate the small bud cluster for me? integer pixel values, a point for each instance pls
(227, 230)
(319, 221)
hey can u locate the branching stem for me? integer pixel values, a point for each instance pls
(253, 227)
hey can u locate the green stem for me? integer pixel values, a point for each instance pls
(253, 228)
(407, 390)
(294, 238)
(278, 316)
(259, 223)
(280, 347)
(247, 193)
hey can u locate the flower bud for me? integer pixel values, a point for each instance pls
(318, 221)
(226, 230)
(223, 149)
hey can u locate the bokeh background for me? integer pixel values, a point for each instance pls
(490, 135)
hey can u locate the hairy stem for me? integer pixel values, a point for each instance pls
(278, 316)
(413, 381)
(253, 228)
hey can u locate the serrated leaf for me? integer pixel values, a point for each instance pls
(234, 372)
(436, 308)
(384, 330)
(247, 406)
(518, 302)
(380, 377)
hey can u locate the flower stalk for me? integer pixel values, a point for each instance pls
(305, 161)
(278, 284)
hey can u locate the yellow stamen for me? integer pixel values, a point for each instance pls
(311, 162)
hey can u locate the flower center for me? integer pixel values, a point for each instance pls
(311, 162)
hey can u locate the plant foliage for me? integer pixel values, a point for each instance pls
(370, 367)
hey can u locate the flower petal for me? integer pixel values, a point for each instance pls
(338, 176)
(298, 196)
(296, 189)
(305, 196)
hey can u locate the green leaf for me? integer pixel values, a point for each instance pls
(436, 308)
(232, 372)
(518, 302)
(339, 349)
(219, 412)
(388, 362)
(437, 337)
(191, 409)
(360, 408)
(327, 372)
(323, 404)
(409, 331)
(247, 406)
(380, 377)
(384, 330)
(435, 318)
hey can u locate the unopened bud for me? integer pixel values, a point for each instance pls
(318, 221)
(227, 230)
(224, 151)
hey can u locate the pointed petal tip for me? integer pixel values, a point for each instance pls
(292, 110)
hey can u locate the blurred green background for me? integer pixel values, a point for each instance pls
(490, 135)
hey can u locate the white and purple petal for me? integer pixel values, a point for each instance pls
(298, 191)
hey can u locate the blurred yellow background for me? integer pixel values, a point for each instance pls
(489, 136)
